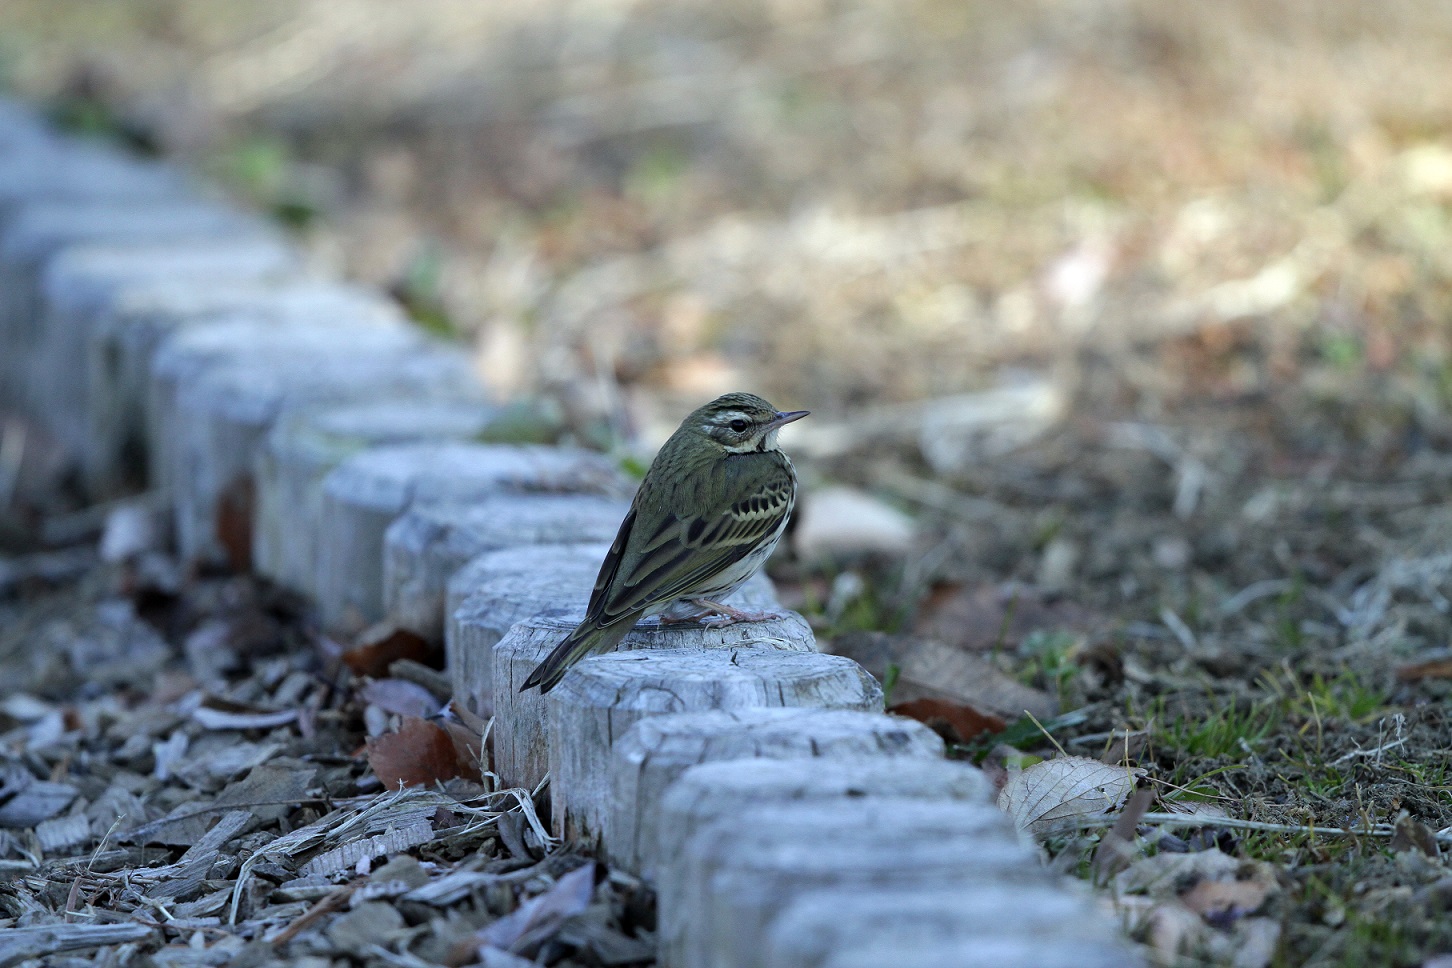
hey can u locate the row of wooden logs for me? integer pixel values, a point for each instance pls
(302, 428)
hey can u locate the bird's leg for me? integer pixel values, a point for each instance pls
(717, 615)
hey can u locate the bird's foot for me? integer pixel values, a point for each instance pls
(718, 615)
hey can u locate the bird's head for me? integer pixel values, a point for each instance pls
(741, 423)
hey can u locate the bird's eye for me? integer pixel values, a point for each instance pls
(738, 425)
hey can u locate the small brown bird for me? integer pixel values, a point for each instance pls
(708, 514)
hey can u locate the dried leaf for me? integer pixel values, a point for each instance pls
(1221, 902)
(984, 617)
(1047, 794)
(468, 746)
(211, 718)
(420, 753)
(955, 722)
(1411, 835)
(401, 697)
(937, 671)
(381, 646)
(234, 523)
(1116, 848)
(1433, 669)
(541, 916)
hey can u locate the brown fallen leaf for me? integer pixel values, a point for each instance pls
(539, 917)
(1221, 902)
(984, 617)
(420, 753)
(1411, 835)
(1116, 848)
(930, 669)
(382, 645)
(468, 746)
(1432, 669)
(234, 523)
(955, 722)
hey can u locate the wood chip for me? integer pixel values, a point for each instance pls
(22, 944)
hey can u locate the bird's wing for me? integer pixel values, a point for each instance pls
(689, 547)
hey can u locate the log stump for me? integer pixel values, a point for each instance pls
(1030, 926)
(656, 751)
(126, 334)
(604, 696)
(223, 416)
(706, 793)
(303, 448)
(261, 337)
(365, 494)
(81, 281)
(522, 738)
(718, 898)
(430, 542)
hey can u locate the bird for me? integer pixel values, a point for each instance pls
(707, 515)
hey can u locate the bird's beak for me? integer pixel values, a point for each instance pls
(783, 418)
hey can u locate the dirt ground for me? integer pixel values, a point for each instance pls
(1217, 233)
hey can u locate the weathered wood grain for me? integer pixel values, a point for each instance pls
(306, 444)
(492, 592)
(127, 332)
(18, 945)
(656, 751)
(604, 696)
(223, 416)
(259, 337)
(431, 541)
(365, 494)
(984, 924)
(522, 738)
(719, 896)
(498, 589)
(705, 793)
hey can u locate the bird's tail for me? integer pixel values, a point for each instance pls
(586, 639)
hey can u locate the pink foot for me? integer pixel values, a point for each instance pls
(719, 616)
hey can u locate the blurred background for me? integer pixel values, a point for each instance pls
(1125, 325)
(842, 205)
(1070, 281)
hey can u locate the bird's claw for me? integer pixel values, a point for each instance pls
(719, 616)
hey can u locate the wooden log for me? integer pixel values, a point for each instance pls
(499, 589)
(430, 541)
(306, 444)
(223, 416)
(125, 337)
(656, 751)
(79, 281)
(60, 169)
(364, 495)
(261, 337)
(1031, 926)
(21, 129)
(989, 953)
(523, 741)
(35, 231)
(604, 696)
(705, 793)
(718, 897)
(41, 941)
